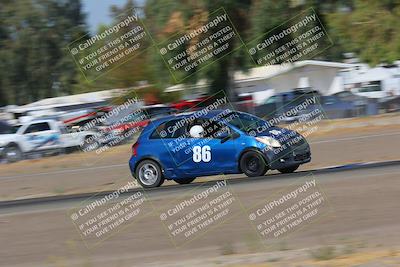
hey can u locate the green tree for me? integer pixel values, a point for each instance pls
(35, 62)
(165, 18)
(130, 72)
(370, 30)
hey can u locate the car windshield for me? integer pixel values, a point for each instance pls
(244, 121)
(8, 129)
(271, 100)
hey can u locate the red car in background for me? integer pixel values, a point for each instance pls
(192, 104)
(81, 117)
(139, 118)
(119, 124)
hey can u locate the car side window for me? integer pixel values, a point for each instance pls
(212, 129)
(217, 129)
(271, 100)
(169, 129)
(37, 127)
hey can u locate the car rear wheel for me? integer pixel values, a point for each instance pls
(12, 153)
(289, 169)
(252, 163)
(149, 174)
(185, 180)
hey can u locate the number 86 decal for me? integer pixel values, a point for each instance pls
(201, 153)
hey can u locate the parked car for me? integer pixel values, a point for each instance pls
(189, 104)
(281, 103)
(40, 136)
(340, 105)
(335, 108)
(391, 104)
(350, 97)
(363, 106)
(181, 148)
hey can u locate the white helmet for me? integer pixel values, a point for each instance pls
(196, 131)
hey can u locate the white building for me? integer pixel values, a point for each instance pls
(320, 75)
(324, 76)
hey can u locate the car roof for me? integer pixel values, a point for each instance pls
(154, 123)
(207, 115)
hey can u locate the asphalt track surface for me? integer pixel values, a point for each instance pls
(364, 204)
(69, 201)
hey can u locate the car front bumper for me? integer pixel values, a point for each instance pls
(288, 156)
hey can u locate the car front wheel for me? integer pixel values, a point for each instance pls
(89, 144)
(149, 174)
(13, 153)
(252, 163)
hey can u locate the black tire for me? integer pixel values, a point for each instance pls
(185, 180)
(89, 144)
(289, 169)
(252, 163)
(149, 174)
(13, 154)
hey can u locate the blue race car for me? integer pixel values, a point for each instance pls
(184, 146)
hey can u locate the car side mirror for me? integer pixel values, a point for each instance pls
(224, 137)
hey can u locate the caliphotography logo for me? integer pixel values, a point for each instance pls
(106, 214)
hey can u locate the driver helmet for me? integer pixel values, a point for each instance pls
(196, 131)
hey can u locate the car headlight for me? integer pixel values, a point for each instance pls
(269, 141)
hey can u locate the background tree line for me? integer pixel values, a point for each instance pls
(34, 35)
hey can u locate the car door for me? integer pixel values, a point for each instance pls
(39, 136)
(214, 152)
(67, 139)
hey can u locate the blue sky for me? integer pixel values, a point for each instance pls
(98, 11)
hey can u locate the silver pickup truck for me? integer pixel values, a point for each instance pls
(40, 136)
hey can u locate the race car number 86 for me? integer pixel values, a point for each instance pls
(201, 153)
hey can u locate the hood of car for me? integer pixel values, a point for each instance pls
(5, 138)
(275, 132)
